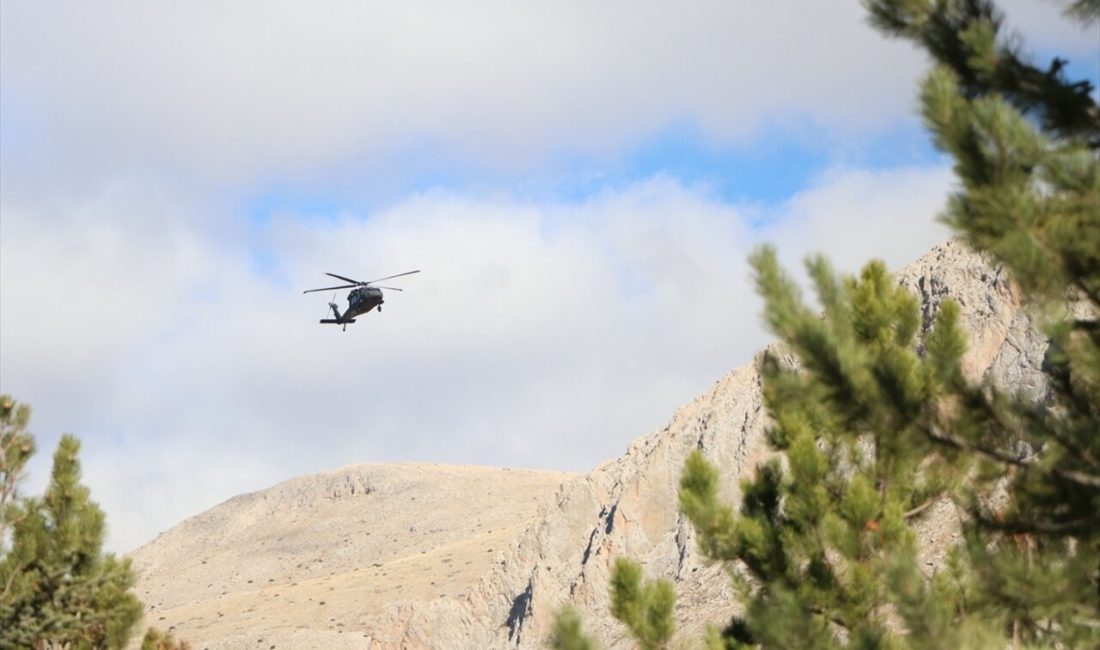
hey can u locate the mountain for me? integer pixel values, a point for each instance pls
(434, 556)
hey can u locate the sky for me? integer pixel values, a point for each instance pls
(579, 184)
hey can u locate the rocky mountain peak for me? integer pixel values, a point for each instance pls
(432, 556)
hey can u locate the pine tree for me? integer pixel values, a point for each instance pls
(58, 588)
(875, 420)
(872, 431)
(1026, 145)
(16, 448)
(825, 538)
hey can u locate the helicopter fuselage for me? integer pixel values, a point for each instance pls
(361, 300)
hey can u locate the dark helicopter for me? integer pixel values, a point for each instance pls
(361, 299)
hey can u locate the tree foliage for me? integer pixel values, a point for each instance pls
(568, 632)
(645, 607)
(821, 536)
(875, 424)
(16, 447)
(58, 588)
(875, 421)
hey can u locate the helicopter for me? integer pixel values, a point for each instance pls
(362, 298)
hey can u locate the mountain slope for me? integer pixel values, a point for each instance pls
(628, 506)
(554, 536)
(322, 561)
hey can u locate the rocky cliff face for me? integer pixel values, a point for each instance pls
(435, 580)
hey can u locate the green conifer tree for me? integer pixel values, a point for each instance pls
(872, 431)
(876, 422)
(16, 447)
(825, 538)
(58, 588)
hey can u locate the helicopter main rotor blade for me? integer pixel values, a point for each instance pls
(390, 288)
(388, 277)
(345, 286)
(340, 277)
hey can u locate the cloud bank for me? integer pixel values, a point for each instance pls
(153, 251)
(537, 335)
(261, 88)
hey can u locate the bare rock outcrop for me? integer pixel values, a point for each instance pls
(258, 566)
(629, 506)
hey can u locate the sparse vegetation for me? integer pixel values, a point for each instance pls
(154, 639)
(645, 607)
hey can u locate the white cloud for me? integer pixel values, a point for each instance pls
(257, 88)
(537, 335)
(168, 332)
(1043, 26)
(268, 89)
(851, 215)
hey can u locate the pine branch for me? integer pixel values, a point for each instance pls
(1093, 296)
(17, 570)
(832, 618)
(1018, 527)
(1078, 478)
(1078, 452)
(909, 514)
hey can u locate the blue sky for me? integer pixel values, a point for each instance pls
(779, 160)
(580, 184)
